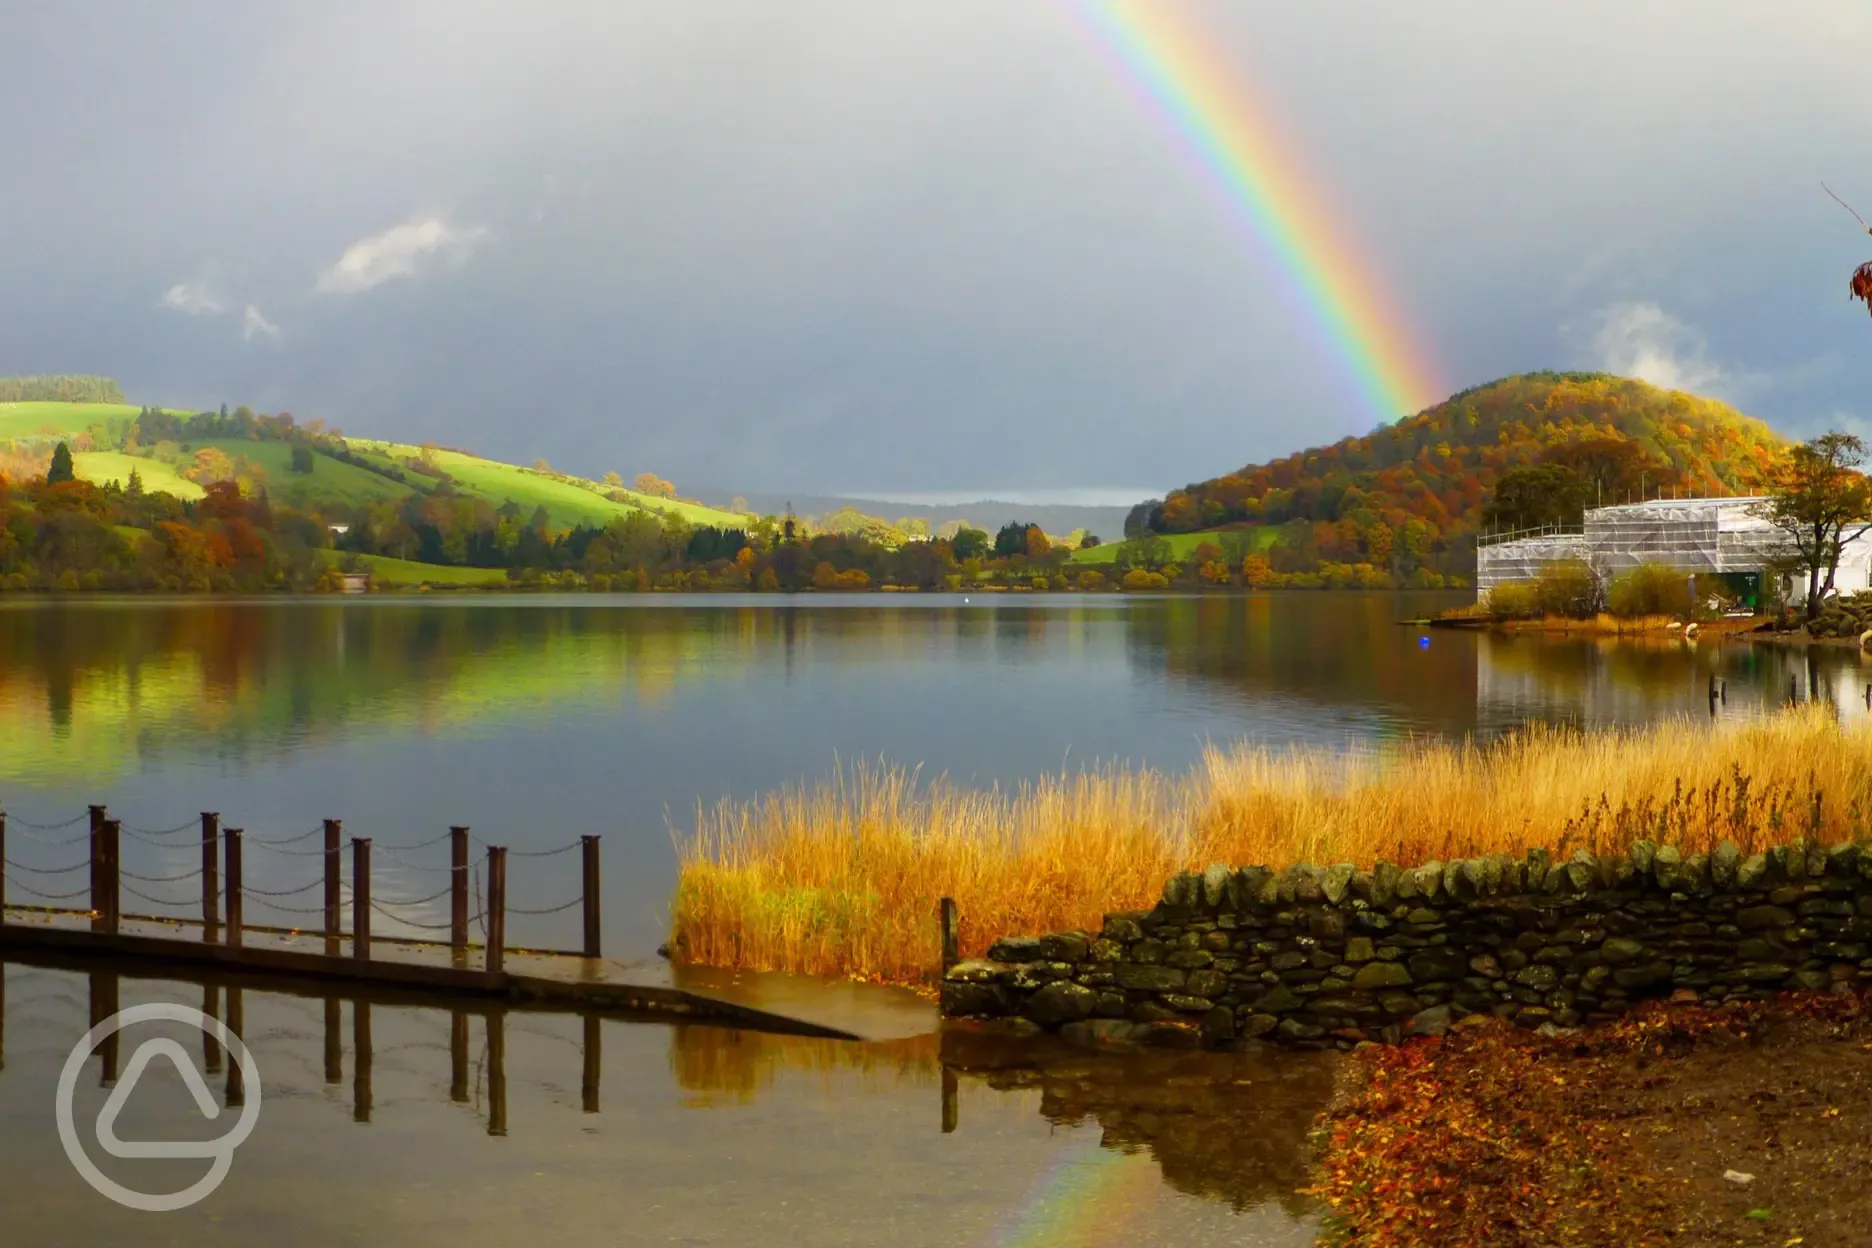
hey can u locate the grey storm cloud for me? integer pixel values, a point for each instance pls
(926, 246)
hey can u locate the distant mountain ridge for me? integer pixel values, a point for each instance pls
(1058, 519)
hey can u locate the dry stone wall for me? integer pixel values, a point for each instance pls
(1322, 957)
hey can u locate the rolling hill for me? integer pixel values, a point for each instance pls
(1412, 494)
(99, 429)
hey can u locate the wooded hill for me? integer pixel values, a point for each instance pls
(1413, 495)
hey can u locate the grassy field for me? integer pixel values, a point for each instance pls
(25, 420)
(331, 479)
(843, 878)
(1181, 545)
(409, 572)
(158, 477)
(565, 503)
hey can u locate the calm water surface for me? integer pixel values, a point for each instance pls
(537, 720)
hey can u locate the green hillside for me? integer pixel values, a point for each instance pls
(568, 500)
(331, 480)
(46, 419)
(390, 571)
(1180, 545)
(157, 477)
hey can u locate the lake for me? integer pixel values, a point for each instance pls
(538, 720)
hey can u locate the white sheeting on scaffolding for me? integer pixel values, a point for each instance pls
(1692, 534)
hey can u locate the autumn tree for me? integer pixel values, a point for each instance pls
(1536, 496)
(61, 469)
(211, 464)
(1612, 470)
(614, 480)
(653, 485)
(1822, 502)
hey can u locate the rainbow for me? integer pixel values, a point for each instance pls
(1209, 104)
(1083, 1199)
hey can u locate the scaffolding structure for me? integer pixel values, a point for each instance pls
(1726, 537)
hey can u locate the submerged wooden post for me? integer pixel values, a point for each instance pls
(458, 1057)
(104, 987)
(334, 1041)
(497, 1071)
(951, 950)
(110, 869)
(232, 839)
(2, 902)
(458, 889)
(497, 910)
(364, 1057)
(97, 833)
(210, 874)
(334, 885)
(360, 898)
(951, 1111)
(592, 937)
(211, 1047)
(236, 1024)
(593, 1051)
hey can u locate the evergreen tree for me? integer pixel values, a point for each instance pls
(61, 469)
(133, 488)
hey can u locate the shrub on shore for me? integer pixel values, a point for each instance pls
(843, 877)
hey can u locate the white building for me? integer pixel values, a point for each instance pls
(1724, 538)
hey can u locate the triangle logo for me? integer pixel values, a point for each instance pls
(178, 1057)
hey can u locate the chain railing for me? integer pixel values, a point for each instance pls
(225, 894)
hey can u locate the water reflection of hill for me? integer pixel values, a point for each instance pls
(1346, 651)
(92, 688)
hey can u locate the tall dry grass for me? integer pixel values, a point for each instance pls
(843, 876)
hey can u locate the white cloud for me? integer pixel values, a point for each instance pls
(1644, 341)
(254, 324)
(396, 253)
(196, 298)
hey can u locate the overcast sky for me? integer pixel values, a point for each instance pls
(923, 246)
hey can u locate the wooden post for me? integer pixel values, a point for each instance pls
(497, 1071)
(231, 839)
(951, 1111)
(111, 875)
(2, 908)
(104, 985)
(210, 875)
(593, 1050)
(950, 949)
(334, 886)
(497, 909)
(458, 889)
(360, 899)
(211, 1047)
(236, 1023)
(458, 1057)
(334, 1042)
(364, 1057)
(592, 899)
(97, 833)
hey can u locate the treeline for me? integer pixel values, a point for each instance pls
(60, 388)
(75, 535)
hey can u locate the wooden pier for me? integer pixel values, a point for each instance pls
(222, 942)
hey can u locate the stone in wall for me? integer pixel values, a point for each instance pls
(1330, 957)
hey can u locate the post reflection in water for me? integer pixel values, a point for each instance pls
(1227, 1129)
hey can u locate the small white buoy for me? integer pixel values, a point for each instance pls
(965, 598)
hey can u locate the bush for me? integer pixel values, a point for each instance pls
(1649, 589)
(1138, 578)
(1092, 581)
(1514, 600)
(1567, 587)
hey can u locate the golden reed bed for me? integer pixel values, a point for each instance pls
(842, 877)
